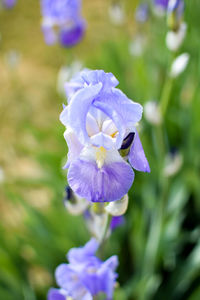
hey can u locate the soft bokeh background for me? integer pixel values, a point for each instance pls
(159, 245)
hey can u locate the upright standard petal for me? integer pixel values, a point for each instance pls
(78, 109)
(137, 157)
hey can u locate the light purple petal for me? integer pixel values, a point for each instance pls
(137, 157)
(50, 35)
(69, 280)
(109, 183)
(78, 109)
(57, 294)
(130, 112)
(111, 263)
(76, 255)
(74, 146)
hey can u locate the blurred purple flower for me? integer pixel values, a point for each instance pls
(85, 275)
(161, 3)
(62, 22)
(100, 122)
(8, 3)
(142, 13)
(116, 222)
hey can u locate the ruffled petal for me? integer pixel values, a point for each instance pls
(74, 146)
(57, 294)
(77, 255)
(137, 156)
(78, 109)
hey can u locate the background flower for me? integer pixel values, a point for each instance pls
(86, 275)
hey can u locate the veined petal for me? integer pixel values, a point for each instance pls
(74, 146)
(130, 111)
(108, 183)
(137, 156)
(78, 109)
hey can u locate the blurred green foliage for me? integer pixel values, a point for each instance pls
(159, 246)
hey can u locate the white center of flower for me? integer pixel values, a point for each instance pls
(98, 122)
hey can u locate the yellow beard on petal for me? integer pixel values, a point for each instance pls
(100, 156)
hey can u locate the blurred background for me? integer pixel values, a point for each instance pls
(159, 244)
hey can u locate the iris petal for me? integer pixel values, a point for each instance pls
(78, 109)
(109, 183)
(137, 156)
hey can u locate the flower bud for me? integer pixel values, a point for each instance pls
(117, 208)
(174, 14)
(152, 112)
(174, 39)
(179, 65)
(173, 164)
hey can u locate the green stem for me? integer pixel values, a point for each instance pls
(106, 228)
(165, 98)
(104, 234)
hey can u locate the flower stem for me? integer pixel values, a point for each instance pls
(165, 98)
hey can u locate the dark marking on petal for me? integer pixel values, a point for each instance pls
(128, 141)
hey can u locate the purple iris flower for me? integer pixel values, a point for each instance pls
(62, 22)
(161, 3)
(100, 120)
(8, 3)
(85, 275)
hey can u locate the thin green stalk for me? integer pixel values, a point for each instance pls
(165, 98)
(104, 234)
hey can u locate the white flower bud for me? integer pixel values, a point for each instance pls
(117, 208)
(137, 45)
(96, 224)
(173, 164)
(152, 112)
(116, 14)
(179, 65)
(174, 39)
